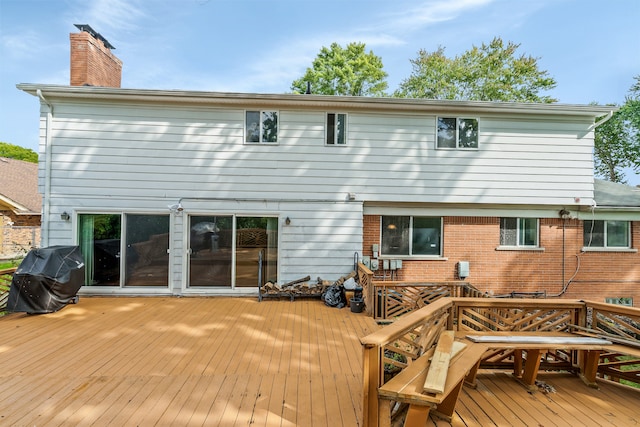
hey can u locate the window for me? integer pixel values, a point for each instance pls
(336, 129)
(521, 232)
(261, 126)
(606, 234)
(408, 235)
(620, 301)
(457, 133)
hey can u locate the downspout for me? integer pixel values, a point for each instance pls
(602, 121)
(46, 208)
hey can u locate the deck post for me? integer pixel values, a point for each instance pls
(371, 366)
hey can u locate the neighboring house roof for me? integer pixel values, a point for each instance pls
(614, 195)
(19, 186)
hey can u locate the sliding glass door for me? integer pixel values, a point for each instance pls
(100, 247)
(256, 241)
(145, 252)
(210, 251)
(232, 252)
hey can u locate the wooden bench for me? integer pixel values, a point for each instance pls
(536, 344)
(410, 385)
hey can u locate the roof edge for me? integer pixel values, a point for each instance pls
(303, 100)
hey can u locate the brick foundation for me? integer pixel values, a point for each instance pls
(18, 234)
(476, 239)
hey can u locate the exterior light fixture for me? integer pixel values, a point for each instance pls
(65, 216)
(176, 208)
(287, 221)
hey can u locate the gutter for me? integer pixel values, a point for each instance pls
(357, 103)
(602, 121)
(46, 208)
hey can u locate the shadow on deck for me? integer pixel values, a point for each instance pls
(235, 361)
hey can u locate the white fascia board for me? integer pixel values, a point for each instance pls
(466, 211)
(298, 101)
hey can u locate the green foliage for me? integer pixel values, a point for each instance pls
(106, 226)
(617, 141)
(340, 71)
(491, 72)
(11, 151)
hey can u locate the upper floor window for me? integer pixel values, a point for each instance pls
(261, 126)
(457, 132)
(336, 129)
(411, 235)
(521, 232)
(606, 234)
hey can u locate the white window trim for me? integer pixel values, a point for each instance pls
(326, 129)
(457, 147)
(260, 142)
(517, 247)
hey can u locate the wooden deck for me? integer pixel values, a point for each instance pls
(235, 361)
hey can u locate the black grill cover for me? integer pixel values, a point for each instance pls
(47, 280)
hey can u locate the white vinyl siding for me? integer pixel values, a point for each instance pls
(142, 157)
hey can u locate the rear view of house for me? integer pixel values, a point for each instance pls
(187, 192)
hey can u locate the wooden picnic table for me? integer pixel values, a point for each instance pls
(535, 344)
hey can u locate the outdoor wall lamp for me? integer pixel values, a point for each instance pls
(176, 208)
(65, 216)
(287, 221)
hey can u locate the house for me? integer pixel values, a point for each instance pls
(20, 207)
(188, 192)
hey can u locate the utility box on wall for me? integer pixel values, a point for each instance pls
(463, 269)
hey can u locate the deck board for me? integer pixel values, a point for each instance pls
(236, 361)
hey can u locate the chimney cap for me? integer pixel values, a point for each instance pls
(86, 28)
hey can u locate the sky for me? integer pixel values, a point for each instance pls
(590, 47)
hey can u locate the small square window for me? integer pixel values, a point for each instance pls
(457, 133)
(261, 126)
(519, 232)
(336, 129)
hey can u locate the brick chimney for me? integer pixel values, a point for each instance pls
(92, 62)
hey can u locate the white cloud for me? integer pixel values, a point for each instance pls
(110, 15)
(24, 45)
(430, 12)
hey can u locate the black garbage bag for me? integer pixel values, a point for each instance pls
(334, 296)
(47, 280)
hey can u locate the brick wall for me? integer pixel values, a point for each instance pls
(18, 234)
(92, 63)
(475, 239)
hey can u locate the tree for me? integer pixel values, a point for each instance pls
(11, 151)
(617, 141)
(613, 150)
(340, 71)
(491, 72)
